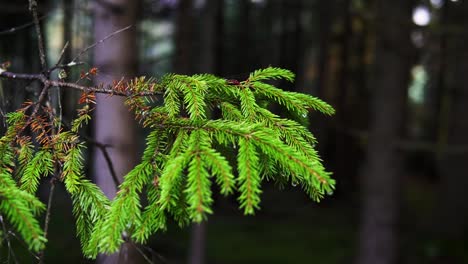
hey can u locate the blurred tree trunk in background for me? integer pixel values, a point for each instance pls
(208, 38)
(67, 95)
(380, 181)
(184, 37)
(453, 161)
(219, 33)
(290, 35)
(343, 113)
(271, 52)
(197, 243)
(436, 63)
(113, 123)
(210, 17)
(306, 80)
(325, 22)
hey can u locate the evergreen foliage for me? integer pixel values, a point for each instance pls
(189, 149)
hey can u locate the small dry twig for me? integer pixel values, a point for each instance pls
(73, 61)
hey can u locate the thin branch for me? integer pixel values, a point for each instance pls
(49, 206)
(87, 89)
(7, 237)
(154, 253)
(141, 252)
(21, 76)
(23, 26)
(61, 54)
(47, 217)
(110, 164)
(103, 147)
(23, 244)
(99, 42)
(59, 102)
(40, 101)
(40, 41)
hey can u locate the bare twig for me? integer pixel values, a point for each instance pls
(103, 147)
(59, 102)
(7, 237)
(141, 252)
(47, 217)
(23, 244)
(154, 253)
(49, 206)
(40, 41)
(88, 89)
(98, 42)
(61, 55)
(21, 76)
(110, 164)
(24, 26)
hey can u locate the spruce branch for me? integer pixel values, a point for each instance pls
(41, 165)
(249, 179)
(198, 188)
(153, 218)
(185, 152)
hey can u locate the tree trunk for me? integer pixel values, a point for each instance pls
(209, 17)
(342, 111)
(453, 213)
(198, 244)
(325, 19)
(378, 234)
(211, 13)
(114, 124)
(184, 37)
(68, 97)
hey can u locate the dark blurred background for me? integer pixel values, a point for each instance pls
(395, 71)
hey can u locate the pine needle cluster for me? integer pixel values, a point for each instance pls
(207, 132)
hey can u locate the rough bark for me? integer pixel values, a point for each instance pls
(380, 182)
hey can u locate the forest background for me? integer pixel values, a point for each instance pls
(393, 70)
